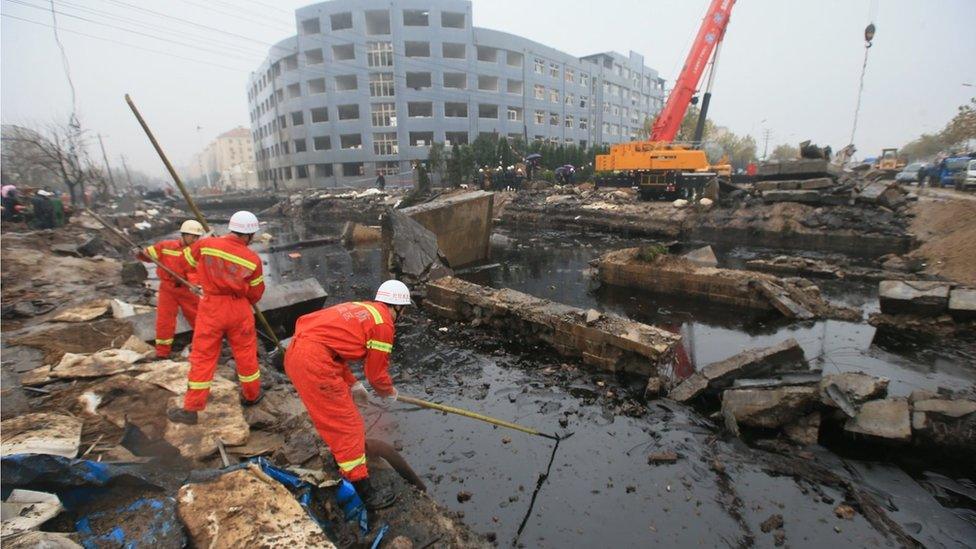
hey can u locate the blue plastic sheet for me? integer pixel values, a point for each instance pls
(146, 522)
(75, 481)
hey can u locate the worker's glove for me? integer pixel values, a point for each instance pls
(386, 401)
(359, 393)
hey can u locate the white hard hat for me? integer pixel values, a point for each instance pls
(191, 226)
(243, 222)
(42, 192)
(393, 292)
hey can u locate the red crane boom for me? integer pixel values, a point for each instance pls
(709, 36)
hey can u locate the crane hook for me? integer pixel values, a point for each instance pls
(868, 35)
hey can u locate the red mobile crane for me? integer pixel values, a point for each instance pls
(659, 166)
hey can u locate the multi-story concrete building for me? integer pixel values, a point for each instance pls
(367, 85)
(227, 162)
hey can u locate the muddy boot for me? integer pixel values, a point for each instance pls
(374, 499)
(179, 415)
(246, 402)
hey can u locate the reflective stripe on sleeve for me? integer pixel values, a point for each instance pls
(199, 384)
(177, 253)
(188, 256)
(164, 341)
(214, 252)
(247, 379)
(257, 280)
(151, 250)
(379, 346)
(377, 317)
(347, 466)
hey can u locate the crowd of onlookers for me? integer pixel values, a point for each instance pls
(37, 208)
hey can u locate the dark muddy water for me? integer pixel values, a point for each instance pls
(601, 490)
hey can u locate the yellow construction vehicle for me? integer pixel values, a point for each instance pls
(889, 160)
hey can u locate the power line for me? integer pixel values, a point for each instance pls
(67, 69)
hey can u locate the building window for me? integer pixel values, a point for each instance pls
(515, 87)
(322, 143)
(570, 98)
(297, 118)
(323, 170)
(284, 148)
(351, 141)
(540, 117)
(452, 20)
(554, 70)
(456, 110)
(488, 111)
(379, 54)
(584, 123)
(421, 139)
(570, 121)
(584, 79)
(540, 66)
(452, 51)
(539, 92)
(616, 110)
(314, 57)
(606, 107)
(416, 49)
(294, 90)
(383, 114)
(488, 83)
(344, 52)
(320, 114)
(514, 59)
(301, 171)
(569, 75)
(377, 22)
(388, 167)
(554, 96)
(553, 119)
(345, 82)
(291, 62)
(486, 54)
(341, 21)
(348, 112)
(583, 101)
(286, 172)
(452, 138)
(385, 143)
(311, 26)
(381, 84)
(514, 114)
(353, 169)
(420, 110)
(416, 18)
(300, 146)
(318, 85)
(455, 80)
(418, 80)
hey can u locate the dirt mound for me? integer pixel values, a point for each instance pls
(80, 337)
(947, 229)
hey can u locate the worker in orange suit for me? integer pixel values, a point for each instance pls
(232, 281)
(316, 362)
(174, 296)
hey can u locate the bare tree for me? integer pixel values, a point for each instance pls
(60, 149)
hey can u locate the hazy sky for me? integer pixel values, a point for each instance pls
(788, 65)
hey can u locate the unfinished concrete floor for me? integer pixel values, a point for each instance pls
(601, 490)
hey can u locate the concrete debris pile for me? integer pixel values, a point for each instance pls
(772, 391)
(927, 307)
(652, 269)
(606, 341)
(836, 268)
(327, 206)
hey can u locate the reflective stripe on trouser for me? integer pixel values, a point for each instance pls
(172, 298)
(318, 379)
(218, 317)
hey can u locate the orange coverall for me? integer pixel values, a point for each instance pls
(316, 363)
(173, 295)
(232, 280)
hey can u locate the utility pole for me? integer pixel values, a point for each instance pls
(108, 168)
(128, 176)
(766, 133)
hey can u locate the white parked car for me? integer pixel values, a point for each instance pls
(970, 175)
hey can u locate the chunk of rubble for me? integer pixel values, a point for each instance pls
(121, 309)
(962, 304)
(804, 431)
(246, 508)
(223, 417)
(704, 257)
(611, 342)
(888, 419)
(768, 408)
(34, 539)
(122, 398)
(356, 234)
(40, 433)
(413, 252)
(26, 510)
(100, 364)
(752, 363)
(461, 223)
(918, 297)
(855, 388)
(945, 423)
(83, 313)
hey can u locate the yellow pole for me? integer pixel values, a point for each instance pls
(472, 415)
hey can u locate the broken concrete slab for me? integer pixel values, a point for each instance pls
(413, 251)
(704, 257)
(124, 399)
(945, 423)
(40, 433)
(871, 193)
(34, 539)
(84, 312)
(77, 337)
(918, 297)
(769, 408)
(805, 197)
(962, 304)
(357, 234)
(856, 388)
(751, 363)
(26, 510)
(121, 309)
(611, 343)
(888, 419)
(462, 224)
(134, 273)
(947, 407)
(246, 508)
(100, 364)
(781, 300)
(804, 431)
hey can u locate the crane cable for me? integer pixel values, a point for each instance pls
(872, 15)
